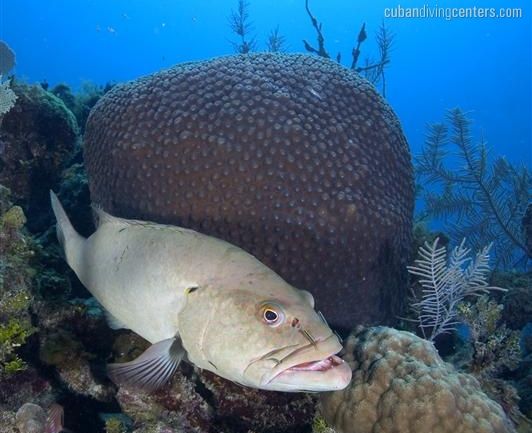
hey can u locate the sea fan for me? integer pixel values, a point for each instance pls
(480, 200)
(445, 283)
(7, 97)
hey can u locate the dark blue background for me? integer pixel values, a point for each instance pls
(480, 65)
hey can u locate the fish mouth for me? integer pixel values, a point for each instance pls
(319, 365)
(313, 367)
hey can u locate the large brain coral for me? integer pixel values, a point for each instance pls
(401, 385)
(294, 158)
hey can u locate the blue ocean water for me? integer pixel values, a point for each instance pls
(482, 65)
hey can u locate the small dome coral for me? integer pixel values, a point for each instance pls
(401, 385)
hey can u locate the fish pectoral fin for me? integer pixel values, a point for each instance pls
(152, 369)
(55, 419)
(113, 322)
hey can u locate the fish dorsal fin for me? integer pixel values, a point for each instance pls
(113, 322)
(152, 369)
(103, 217)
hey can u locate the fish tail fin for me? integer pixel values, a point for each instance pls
(69, 239)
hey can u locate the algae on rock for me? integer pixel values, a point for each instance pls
(15, 279)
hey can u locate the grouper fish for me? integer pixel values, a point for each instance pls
(201, 299)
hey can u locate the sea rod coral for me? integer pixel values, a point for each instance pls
(373, 70)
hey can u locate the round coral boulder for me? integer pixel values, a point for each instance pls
(294, 158)
(401, 385)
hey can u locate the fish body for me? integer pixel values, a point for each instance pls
(197, 296)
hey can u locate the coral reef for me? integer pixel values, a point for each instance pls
(495, 348)
(15, 281)
(527, 227)
(401, 385)
(481, 200)
(523, 375)
(421, 234)
(319, 425)
(293, 158)
(244, 409)
(15, 391)
(517, 300)
(66, 365)
(454, 301)
(19, 383)
(37, 138)
(445, 283)
(75, 196)
(204, 402)
(81, 102)
(31, 418)
(116, 422)
(176, 406)
(73, 340)
(23, 387)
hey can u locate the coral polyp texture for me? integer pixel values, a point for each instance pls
(401, 385)
(294, 158)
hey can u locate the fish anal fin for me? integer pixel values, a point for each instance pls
(152, 369)
(113, 322)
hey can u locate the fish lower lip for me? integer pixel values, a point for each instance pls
(320, 365)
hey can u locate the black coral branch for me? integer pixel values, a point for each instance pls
(482, 200)
(240, 24)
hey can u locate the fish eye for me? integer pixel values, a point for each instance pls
(272, 314)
